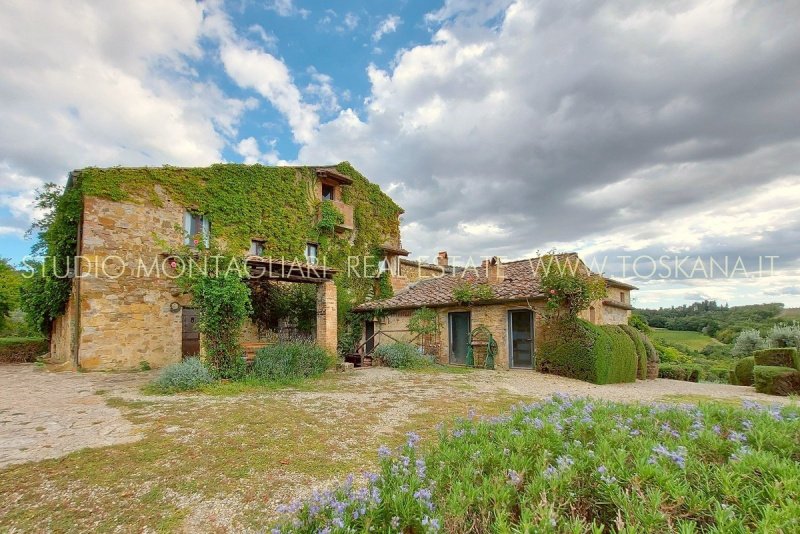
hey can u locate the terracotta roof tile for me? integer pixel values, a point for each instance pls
(520, 281)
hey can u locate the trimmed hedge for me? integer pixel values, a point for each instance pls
(619, 364)
(652, 358)
(676, 371)
(22, 350)
(598, 354)
(744, 371)
(641, 351)
(774, 380)
(782, 357)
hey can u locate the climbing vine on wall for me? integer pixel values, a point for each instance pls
(45, 294)
(242, 202)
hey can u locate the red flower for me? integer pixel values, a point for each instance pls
(196, 241)
(552, 291)
(173, 264)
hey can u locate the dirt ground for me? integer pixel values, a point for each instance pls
(83, 451)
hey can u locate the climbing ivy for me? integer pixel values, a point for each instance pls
(242, 202)
(467, 292)
(329, 217)
(46, 287)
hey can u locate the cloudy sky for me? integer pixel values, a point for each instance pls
(619, 129)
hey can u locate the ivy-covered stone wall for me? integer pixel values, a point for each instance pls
(137, 213)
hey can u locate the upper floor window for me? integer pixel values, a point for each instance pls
(383, 266)
(328, 192)
(256, 248)
(622, 296)
(312, 249)
(196, 227)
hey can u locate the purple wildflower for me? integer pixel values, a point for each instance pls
(514, 478)
(413, 439)
(384, 451)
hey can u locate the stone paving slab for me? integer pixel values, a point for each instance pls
(47, 415)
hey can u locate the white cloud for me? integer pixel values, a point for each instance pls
(248, 148)
(387, 25)
(350, 21)
(100, 83)
(251, 67)
(286, 8)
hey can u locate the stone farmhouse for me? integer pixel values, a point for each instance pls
(297, 225)
(511, 316)
(123, 308)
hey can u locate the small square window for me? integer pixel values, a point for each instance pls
(196, 227)
(256, 248)
(328, 192)
(311, 253)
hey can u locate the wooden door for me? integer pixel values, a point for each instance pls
(190, 345)
(369, 333)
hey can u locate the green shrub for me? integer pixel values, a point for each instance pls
(22, 350)
(784, 357)
(190, 374)
(744, 371)
(579, 349)
(652, 358)
(290, 361)
(677, 371)
(784, 335)
(639, 323)
(575, 465)
(619, 364)
(774, 380)
(747, 342)
(732, 378)
(401, 356)
(641, 352)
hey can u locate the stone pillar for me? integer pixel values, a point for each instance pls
(326, 316)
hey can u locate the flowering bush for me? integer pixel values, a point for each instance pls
(401, 356)
(573, 465)
(188, 375)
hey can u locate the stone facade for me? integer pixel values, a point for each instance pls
(62, 336)
(493, 316)
(130, 304)
(326, 316)
(125, 292)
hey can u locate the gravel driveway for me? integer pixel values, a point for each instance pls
(47, 415)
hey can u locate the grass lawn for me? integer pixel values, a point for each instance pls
(693, 340)
(221, 463)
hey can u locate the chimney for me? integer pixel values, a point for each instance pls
(441, 260)
(494, 270)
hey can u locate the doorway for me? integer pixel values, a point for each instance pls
(369, 333)
(459, 323)
(190, 341)
(520, 339)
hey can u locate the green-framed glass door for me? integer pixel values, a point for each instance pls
(459, 323)
(520, 339)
